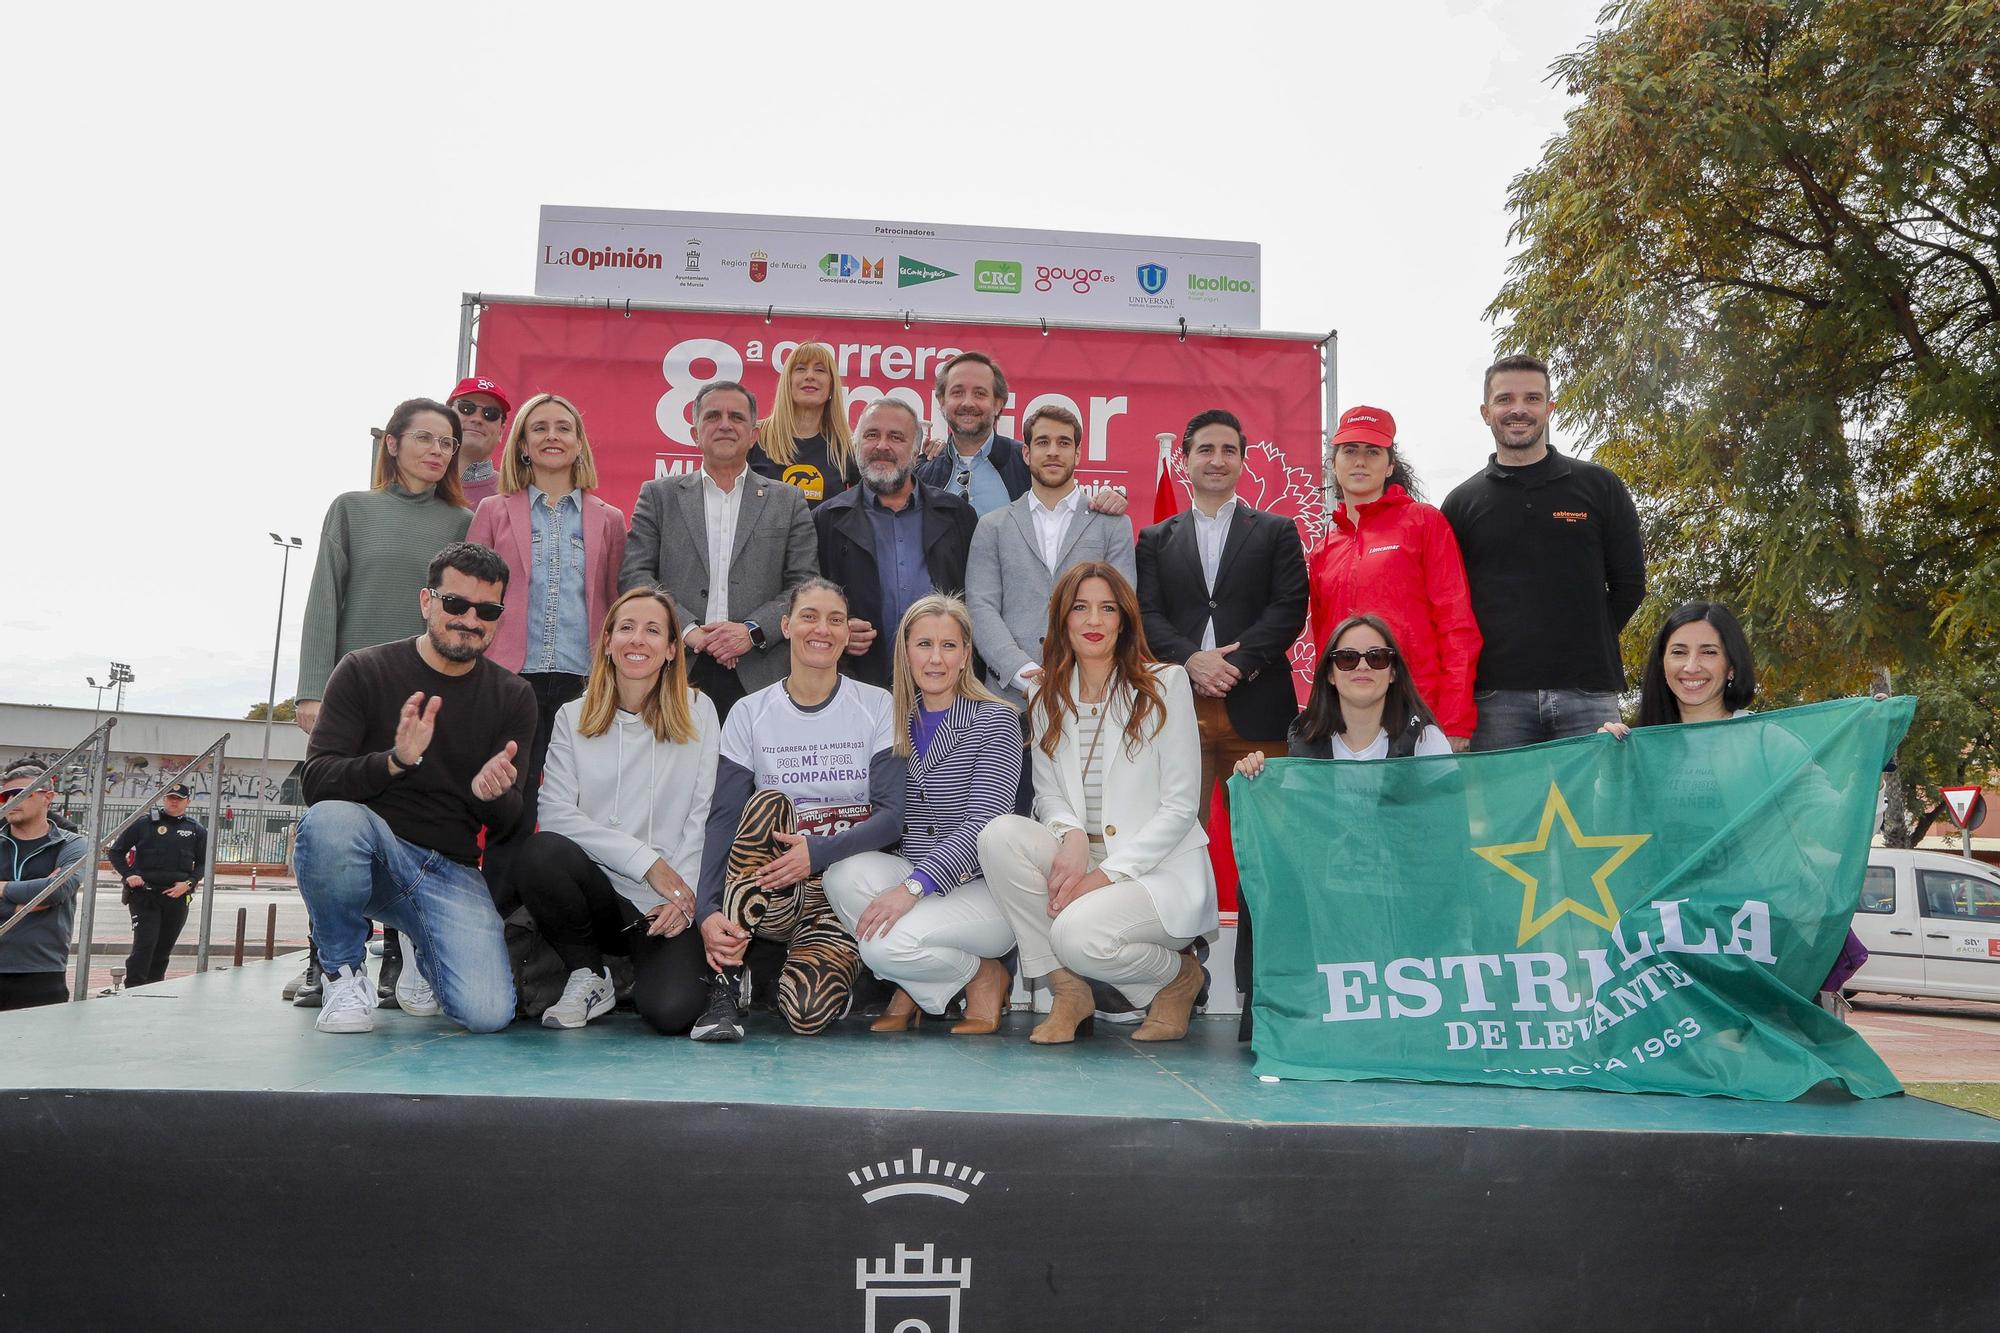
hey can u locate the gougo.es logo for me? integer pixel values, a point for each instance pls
(1079, 279)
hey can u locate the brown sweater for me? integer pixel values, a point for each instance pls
(431, 805)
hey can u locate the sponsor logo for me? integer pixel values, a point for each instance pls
(1079, 280)
(693, 256)
(911, 272)
(1152, 278)
(848, 268)
(635, 256)
(1000, 276)
(913, 1288)
(760, 264)
(1571, 515)
(1219, 284)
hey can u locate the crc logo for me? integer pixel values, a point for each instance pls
(1002, 276)
(850, 268)
(1079, 279)
(1152, 278)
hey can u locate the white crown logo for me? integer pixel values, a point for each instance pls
(906, 1176)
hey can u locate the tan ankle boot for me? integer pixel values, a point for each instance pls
(1071, 1015)
(1167, 1016)
(985, 999)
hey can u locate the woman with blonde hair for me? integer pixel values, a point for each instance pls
(806, 440)
(563, 546)
(625, 799)
(924, 917)
(1110, 881)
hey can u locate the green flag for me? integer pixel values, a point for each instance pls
(1648, 915)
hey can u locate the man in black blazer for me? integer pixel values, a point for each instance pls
(1223, 590)
(891, 539)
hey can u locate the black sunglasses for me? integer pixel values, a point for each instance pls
(469, 409)
(11, 793)
(1346, 659)
(454, 605)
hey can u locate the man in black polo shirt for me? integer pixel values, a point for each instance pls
(162, 858)
(413, 754)
(1552, 553)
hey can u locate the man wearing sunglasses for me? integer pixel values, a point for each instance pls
(482, 408)
(412, 757)
(34, 953)
(162, 857)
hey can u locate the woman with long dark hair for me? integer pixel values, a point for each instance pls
(806, 440)
(1111, 880)
(924, 917)
(1698, 670)
(375, 550)
(1387, 552)
(1362, 705)
(625, 797)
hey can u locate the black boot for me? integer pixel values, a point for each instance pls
(306, 988)
(392, 967)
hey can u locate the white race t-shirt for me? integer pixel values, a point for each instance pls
(817, 756)
(1432, 741)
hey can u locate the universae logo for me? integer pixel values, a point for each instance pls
(1152, 278)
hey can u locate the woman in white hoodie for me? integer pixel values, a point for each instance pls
(624, 801)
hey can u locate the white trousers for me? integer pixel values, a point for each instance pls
(936, 946)
(1110, 934)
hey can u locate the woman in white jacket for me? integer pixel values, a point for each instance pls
(1111, 879)
(624, 802)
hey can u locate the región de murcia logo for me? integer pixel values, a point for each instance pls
(913, 1291)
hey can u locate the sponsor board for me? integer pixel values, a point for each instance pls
(879, 267)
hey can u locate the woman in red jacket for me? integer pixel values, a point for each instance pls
(1389, 554)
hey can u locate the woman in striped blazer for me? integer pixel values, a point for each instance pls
(925, 919)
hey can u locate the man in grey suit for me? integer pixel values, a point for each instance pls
(729, 546)
(1021, 549)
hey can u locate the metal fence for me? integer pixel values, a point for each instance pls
(250, 835)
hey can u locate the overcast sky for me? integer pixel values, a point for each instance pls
(236, 236)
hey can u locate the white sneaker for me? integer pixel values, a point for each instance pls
(414, 995)
(586, 995)
(349, 1003)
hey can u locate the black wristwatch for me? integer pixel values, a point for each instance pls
(757, 639)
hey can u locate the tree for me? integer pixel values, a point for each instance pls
(1763, 260)
(286, 711)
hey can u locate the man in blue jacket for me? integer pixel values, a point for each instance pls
(34, 952)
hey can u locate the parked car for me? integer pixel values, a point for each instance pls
(1931, 922)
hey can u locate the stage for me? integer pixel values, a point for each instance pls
(196, 1155)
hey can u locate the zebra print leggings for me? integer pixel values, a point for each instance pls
(821, 961)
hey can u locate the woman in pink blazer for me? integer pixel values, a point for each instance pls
(562, 546)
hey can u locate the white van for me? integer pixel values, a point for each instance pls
(1932, 926)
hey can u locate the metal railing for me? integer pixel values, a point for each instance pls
(97, 841)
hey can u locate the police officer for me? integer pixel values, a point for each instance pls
(162, 858)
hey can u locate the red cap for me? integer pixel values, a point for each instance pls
(481, 384)
(1366, 425)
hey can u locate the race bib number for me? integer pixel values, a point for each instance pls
(825, 820)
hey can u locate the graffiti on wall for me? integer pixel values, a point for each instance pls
(137, 777)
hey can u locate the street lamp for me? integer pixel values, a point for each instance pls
(277, 638)
(96, 704)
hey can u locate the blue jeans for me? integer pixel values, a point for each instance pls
(353, 869)
(1510, 718)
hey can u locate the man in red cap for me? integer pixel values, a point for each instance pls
(482, 407)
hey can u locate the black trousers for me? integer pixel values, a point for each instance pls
(552, 690)
(31, 990)
(718, 682)
(156, 925)
(583, 918)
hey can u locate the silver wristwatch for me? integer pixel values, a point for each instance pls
(915, 887)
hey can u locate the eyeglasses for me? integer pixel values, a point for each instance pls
(469, 409)
(454, 605)
(11, 793)
(425, 441)
(963, 481)
(1347, 659)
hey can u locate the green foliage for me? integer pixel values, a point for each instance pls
(1763, 260)
(286, 711)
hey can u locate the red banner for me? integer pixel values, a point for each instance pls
(634, 377)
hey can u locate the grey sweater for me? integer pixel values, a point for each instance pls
(41, 942)
(373, 551)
